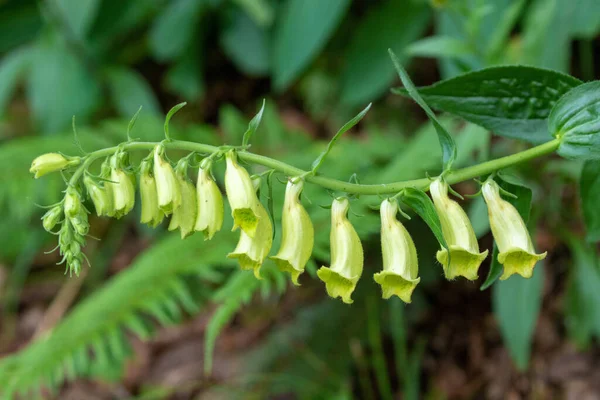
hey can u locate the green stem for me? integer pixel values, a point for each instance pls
(451, 177)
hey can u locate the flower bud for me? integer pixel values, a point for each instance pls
(51, 218)
(80, 223)
(252, 251)
(184, 216)
(400, 264)
(73, 204)
(515, 250)
(151, 214)
(464, 258)
(346, 254)
(51, 162)
(167, 186)
(242, 196)
(123, 191)
(297, 237)
(210, 203)
(102, 199)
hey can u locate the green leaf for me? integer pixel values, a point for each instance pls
(260, 11)
(60, 85)
(423, 206)
(439, 46)
(175, 28)
(575, 120)
(185, 77)
(589, 190)
(78, 14)
(303, 30)
(511, 101)
(367, 70)
(129, 90)
(523, 205)
(12, 67)
(20, 22)
(253, 125)
(583, 293)
(516, 303)
(446, 141)
(347, 126)
(247, 44)
(585, 24)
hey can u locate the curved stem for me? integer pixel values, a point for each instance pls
(451, 177)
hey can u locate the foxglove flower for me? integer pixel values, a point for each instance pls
(346, 254)
(151, 214)
(167, 186)
(51, 162)
(242, 196)
(400, 264)
(297, 237)
(210, 203)
(101, 197)
(184, 216)
(72, 204)
(515, 249)
(122, 188)
(251, 251)
(52, 217)
(464, 257)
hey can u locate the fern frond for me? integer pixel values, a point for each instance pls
(167, 279)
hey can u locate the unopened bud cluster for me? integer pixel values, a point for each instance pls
(168, 191)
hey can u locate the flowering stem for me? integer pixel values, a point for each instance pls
(451, 177)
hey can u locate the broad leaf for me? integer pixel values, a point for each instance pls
(589, 190)
(247, 44)
(439, 46)
(523, 204)
(78, 14)
(367, 70)
(511, 101)
(516, 303)
(446, 141)
(129, 91)
(12, 67)
(302, 31)
(575, 119)
(423, 206)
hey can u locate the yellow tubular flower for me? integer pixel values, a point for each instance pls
(73, 204)
(167, 186)
(346, 254)
(102, 199)
(252, 251)
(184, 216)
(242, 196)
(151, 214)
(465, 257)
(51, 162)
(297, 238)
(52, 217)
(400, 264)
(210, 203)
(515, 249)
(123, 191)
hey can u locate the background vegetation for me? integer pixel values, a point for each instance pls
(158, 317)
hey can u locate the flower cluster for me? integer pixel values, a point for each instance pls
(167, 191)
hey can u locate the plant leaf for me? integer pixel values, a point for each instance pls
(575, 119)
(347, 126)
(12, 67)
(423, 206)
(446, 141)
(516, 303)
(78, 14)
(367, 70)
(129, 91)
(523, 205)
(253, 125)
(512, 101)
(302, 31)
(589, 190)
(439, 46)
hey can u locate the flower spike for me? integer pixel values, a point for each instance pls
(251, 251)
(346, 254)
(400, 264)
(464, 257)
(210, 202)
(297, 238)
(515, 249)
(242, 196)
